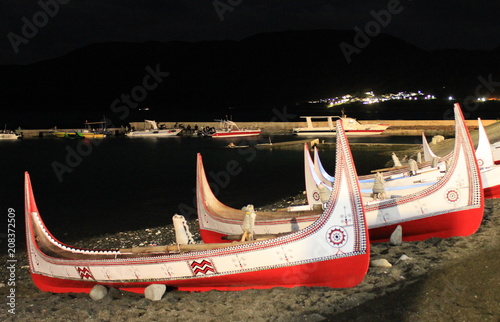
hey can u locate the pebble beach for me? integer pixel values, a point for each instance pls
(437, 279)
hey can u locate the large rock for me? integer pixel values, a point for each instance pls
(98, 292)
(397, 236)
(154, 292)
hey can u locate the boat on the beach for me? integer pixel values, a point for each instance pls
(351, 127)
(490, 172)
(495, 147)
(333, 251)
(389, 186)
(153, 131)
(228, 129)
(452, 206)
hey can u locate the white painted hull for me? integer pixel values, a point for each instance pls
(154, 133)
(9, 136)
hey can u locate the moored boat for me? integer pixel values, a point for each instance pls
(69, 134)
(351, 127)
(333, 251)
(154, 131)
(94, 133)
(452, 206)
(9, 135)
(229, 129)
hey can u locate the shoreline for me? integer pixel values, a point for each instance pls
(453, 278)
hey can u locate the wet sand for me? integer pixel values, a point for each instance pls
(444, 279)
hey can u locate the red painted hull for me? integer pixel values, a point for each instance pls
(492, 192)
(211, 237)
(460, 223)
(342, 273)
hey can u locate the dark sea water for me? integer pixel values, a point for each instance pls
(116, 184)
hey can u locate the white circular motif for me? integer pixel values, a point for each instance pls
(452, 196)
(480, 162)
(336, 236)
(316, 195)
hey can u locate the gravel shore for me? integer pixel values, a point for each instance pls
(443, 279)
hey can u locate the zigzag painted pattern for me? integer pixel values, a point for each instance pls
(205, 267)
(85, 273)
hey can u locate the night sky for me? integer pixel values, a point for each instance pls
(67, 26)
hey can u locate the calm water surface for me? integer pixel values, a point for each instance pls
(121, 184)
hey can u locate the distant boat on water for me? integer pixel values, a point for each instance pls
(94, 133)
(9, 135)
(229, 129)
(154, 131)
(69, 134)
(351, 127)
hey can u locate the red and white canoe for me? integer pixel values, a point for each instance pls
(495, 147)
(490, 171)
(333, 251)
(453, 206)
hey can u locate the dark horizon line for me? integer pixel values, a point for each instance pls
(235, 40)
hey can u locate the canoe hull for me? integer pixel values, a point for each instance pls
(452, 224)
(492, 192)
(341, 273)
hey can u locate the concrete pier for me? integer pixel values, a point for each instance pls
(397, 127)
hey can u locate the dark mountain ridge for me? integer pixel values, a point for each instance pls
(271, 69)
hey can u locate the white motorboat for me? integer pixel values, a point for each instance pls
(153, 131)
(351, 127)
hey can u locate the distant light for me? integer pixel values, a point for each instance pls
(450, 98)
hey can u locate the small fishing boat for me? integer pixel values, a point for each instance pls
(333, 251)
(351, 127)
(452, 206)
(91, 132)
(153, 132)
(229, 129)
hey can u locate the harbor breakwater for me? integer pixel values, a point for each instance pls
(397, 127)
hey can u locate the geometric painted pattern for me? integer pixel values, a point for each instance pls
(204, 267)
(336, 236)
(85, 273)
(452, 196)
